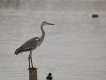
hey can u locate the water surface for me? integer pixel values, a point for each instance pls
(73, 49)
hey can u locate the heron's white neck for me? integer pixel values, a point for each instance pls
(43, 32)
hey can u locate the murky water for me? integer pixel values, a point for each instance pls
(73, 49)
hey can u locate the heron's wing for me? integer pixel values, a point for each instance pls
(30, 44)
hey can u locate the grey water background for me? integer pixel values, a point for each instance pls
(73, 49)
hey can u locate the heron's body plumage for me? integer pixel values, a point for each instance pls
(29, 45)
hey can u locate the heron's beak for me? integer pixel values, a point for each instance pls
(50, 24)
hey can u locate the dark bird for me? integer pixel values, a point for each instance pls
(32, 44)
(95, 15)
(49, 77)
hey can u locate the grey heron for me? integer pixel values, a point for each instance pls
(32, 44)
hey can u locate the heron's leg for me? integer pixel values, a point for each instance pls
(31, 58)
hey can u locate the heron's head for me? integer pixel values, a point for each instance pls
(46, 23)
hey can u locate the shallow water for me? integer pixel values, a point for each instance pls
(73, 49)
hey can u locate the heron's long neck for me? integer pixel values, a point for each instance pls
(43, 33)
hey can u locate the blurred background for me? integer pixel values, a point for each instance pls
(73, 49)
